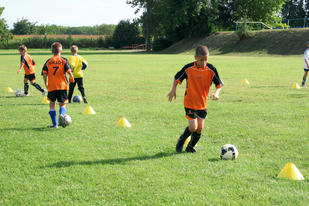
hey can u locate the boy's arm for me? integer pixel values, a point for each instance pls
(72, 80)
(307, 62)
(45, 79)
(20, 67)
(172, 93)
(215, 95)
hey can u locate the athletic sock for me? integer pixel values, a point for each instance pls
(195, 137)
(62, 111)
(304, 81)
(186, 133)
(53, 116)
(38, 87)
(26, 87)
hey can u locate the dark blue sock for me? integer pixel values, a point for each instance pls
(62, 111)
(53, 116)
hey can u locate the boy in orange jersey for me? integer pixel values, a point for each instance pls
(199, 75)
(54, 73)
(27, 62)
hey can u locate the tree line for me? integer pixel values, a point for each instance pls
(164, 22)
(24, 26)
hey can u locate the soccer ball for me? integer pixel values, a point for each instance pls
(19, 93)
(77, 99)
(67, 120)
(229, 152)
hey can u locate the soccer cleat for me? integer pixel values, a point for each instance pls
(190, 150)
(44, 92)
(180, 143)
(62, 121)
(25, 95)
(303, 84)
(53, 127)
(85, 100)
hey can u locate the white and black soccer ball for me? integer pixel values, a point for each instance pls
(77, 99)
(67, 120)
(229, 152)
(19, 93)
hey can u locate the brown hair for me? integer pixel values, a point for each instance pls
(55, 47)
(74, 49)
(22, 48)
(201, 51)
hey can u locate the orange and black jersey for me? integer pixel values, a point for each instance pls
(27, 63)
(56, 68)
(199, 81)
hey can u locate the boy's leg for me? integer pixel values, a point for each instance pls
(81, 88)
(71, 90)
(26, 86)
(304, 78)
(62, 98)
(195, 137)
(187, 132)
(53, 114)
(37, 86)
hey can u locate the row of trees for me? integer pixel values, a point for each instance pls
(24, 26)
(168, 21)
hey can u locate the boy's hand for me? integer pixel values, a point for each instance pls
(72, 79)
(46, 84)
(171, 95)
(215, 96)
(18, 71)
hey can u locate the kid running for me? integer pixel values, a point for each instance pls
(27, 62)
(78, 64)
(199, 76)
(54, 74)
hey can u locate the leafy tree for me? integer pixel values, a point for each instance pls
(24, 26)
(126, 34)
(5, 34)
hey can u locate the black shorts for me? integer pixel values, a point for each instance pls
(60, 95)
(306, 70)
(30, 77)
(193, 114)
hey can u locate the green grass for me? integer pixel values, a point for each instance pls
(94, 162)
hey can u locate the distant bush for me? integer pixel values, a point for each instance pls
(160, 44)
(244, 31)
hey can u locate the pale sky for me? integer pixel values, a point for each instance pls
(67, 12)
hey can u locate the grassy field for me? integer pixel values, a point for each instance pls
(94, 162)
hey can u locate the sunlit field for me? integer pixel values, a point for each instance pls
(94, 162)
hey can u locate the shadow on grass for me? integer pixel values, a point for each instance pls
(27, 129)
(214, 159)
(111, 161)
(298, 95)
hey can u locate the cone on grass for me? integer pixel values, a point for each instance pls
(123, 122)
(9, 90)
(89, 110)
(245, 82)
(296, 86)
(45, 100)
(291, 172)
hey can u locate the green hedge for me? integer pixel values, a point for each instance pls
(45, 42)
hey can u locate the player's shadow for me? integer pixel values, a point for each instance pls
(111, 161)
(26, 129)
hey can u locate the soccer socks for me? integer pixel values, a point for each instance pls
(62, 111)
(38, 87)
(195, 137)
(53, 116)
(182, 139)
(26, 87)
(304, 81)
